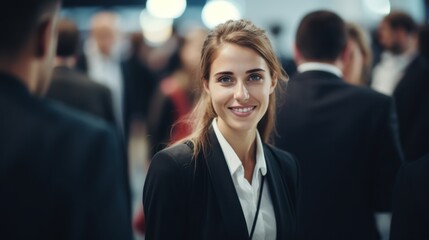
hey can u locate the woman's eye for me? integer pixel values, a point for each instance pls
(225, 79)
(254, 77)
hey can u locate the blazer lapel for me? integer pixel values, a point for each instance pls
(279, 197)
(229, 203)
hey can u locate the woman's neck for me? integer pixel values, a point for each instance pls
(244, 145)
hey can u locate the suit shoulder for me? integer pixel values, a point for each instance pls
(180, 155)
(76, 78)
(59, 114)
(371, 94)
(284, 158)
(418, 170)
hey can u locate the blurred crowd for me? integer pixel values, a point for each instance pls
(153, 89)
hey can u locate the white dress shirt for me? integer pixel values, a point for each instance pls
(248, 194)
(389, 71)
(317, 66)
(107, 71)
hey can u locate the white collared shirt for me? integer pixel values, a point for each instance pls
(248, 194)
(311, 66)
(389, 71)
(107, 71)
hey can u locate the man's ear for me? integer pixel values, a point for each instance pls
(297, 55)
(43, 37)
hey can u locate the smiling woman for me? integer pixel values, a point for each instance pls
(224, 181)
(240, 85)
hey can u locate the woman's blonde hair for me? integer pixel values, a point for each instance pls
(358, 35)
(245, 34)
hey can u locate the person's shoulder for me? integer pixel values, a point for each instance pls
(180, 155)
(418, 169)
(284, 154)
(60, 115)
(370, 93)
(76, 77)
(284, 158)
(367, 96)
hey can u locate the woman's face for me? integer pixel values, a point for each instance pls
(354, 66)
(239, 86)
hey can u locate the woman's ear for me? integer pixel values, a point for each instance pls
(273, 83)
(206, 86)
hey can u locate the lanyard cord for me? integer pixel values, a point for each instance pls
(257, 208)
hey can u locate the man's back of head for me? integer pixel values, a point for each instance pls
(321, 36)
(27, 44)
(16, 31)
(68, 39)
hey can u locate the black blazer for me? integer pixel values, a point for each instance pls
(410, 219)
(345, 139)
(412, 105)
(196, 199)
(78, 91)
(61, 172)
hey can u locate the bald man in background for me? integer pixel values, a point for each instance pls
(102, 61)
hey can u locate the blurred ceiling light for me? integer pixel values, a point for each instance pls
(219, 11)
(156, 31)
(381, 7)
(166, 8)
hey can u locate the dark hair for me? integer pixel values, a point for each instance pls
(423, 40)
(68, 38)
(321, 35)
(18, 19)
(402, 20)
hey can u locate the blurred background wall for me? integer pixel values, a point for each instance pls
(278, 17)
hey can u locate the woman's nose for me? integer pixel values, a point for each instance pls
(241, 93)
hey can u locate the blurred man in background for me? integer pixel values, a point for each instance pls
(344, 137)
(412, 102)
(397, 35)
(71, 87)
(102, 61)
(61, 173)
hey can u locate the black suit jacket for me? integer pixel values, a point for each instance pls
(129, 92)
(412, 105)
(410, 219)
(345, 139)
(196, 199)
(78, 91)
(61, 173)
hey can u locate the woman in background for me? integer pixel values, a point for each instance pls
(357, 69)
(224, 181)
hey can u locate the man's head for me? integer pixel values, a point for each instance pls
(105, 31)
(68, 39)
(28, 42)
(321, 37)
(396, 32)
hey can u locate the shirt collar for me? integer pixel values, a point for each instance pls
(311, 66)
(231, 157)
